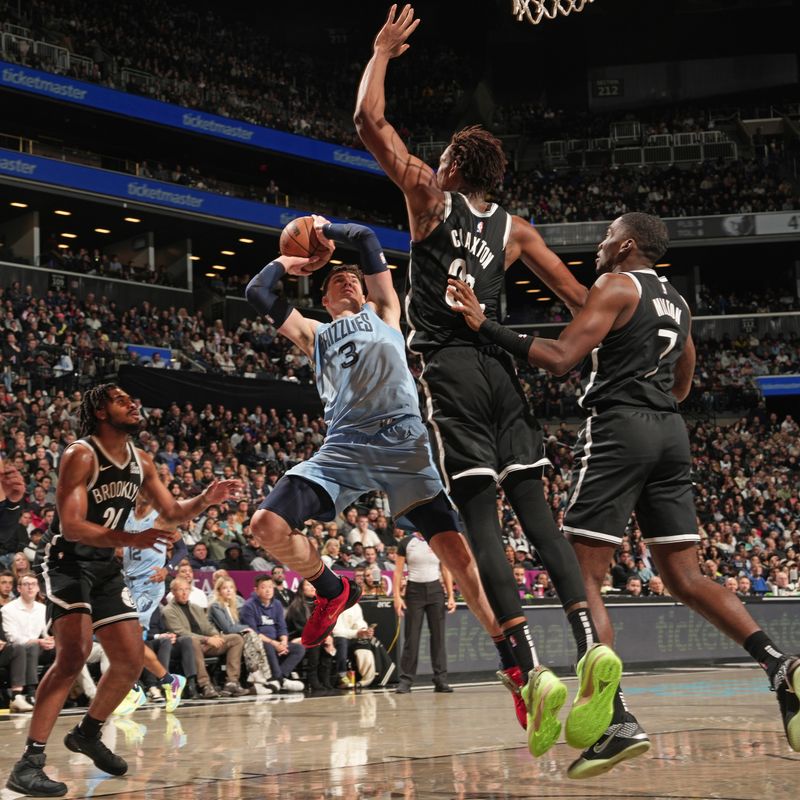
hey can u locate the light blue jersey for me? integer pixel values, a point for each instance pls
(136, 563)
(362, 375)
(376, 438)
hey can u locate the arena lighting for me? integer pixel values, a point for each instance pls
(533, 291)
(218, 266)
(62, 213)
(70, 235)
(102, 230)
(574, 263)
(19, 205)
(211, 274)
(543, 299)
(665, 264)
(63, 246)
(335, 262)
(392, 266)
(132, 219)
(227, 252)
(246, 241)
(522, 283)
(194, 258)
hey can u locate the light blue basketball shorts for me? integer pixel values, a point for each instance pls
(147, 597)
(396, 459)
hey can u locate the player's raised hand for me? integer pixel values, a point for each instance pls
(391, 38)
(12, 483)
(300, 265)
(319, 223)
(220, 491)
(465, 301)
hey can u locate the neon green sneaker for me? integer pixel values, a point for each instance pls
(544, 694)
(133, 700)
(173, 692)
(599, 672)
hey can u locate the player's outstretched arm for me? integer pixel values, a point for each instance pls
(176, 512)
(684, 371)
(260, 293)
(414, 177)
(72, 501)
(611, 297)
(380, 289)
(527, 244)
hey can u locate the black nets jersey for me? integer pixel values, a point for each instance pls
(469, 245)
(111, 493)
(635, 365)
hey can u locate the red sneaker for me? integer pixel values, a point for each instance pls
(512, 680)
(326, 612)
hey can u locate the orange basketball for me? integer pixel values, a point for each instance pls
(298, 239)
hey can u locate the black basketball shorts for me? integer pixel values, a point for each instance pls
(87, 587)
(632, 459)
(479, 420)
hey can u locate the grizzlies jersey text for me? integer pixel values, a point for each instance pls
(138, 563)
(635, 365)
(362, 375)
(111, 493)
(469, 245)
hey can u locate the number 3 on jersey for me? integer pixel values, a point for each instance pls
(348, 350)
(672, 340)
(458, 270)
(111, 517)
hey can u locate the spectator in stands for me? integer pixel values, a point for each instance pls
(234, 558)
(352, 637)
(200, 560)
(633, 587)
(25, 625)
(223, 613)
(522, 583)
(282, 592)
(320, 661)
(744, 586)
(256, 555)
(6, 587)
(263, 612)
(185, 619)
(655, 587)
(623, 570)
(197, 597)
(20, 565)
(781, 587)
(543, 586)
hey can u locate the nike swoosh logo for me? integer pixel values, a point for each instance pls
(103, 469)
(601, 746)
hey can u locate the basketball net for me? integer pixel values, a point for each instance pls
(537, 10)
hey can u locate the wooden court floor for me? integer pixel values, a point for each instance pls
(716, 733)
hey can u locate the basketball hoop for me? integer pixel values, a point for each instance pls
(537, 10)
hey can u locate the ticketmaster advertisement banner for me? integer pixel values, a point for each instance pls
(646, 633)
(69, 90)
(62, 174)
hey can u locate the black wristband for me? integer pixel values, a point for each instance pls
(518, 344)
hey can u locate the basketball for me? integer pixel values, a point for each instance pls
(298, 239)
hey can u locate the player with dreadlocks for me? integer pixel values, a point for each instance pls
(482, 430)
(100, 476)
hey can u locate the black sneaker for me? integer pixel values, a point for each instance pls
(103, 758)
(27, 777)
(621, 741)
(786, 685)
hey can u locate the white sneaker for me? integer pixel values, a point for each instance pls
(274, 686)
(19, 703)
(290, 685)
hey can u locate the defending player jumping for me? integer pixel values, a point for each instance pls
(481, 427)
(633, 454)
(100, 476)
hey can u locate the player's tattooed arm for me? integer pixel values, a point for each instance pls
(415, 178)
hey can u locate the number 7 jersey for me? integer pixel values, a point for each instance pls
(635, 365)
(111, 494)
